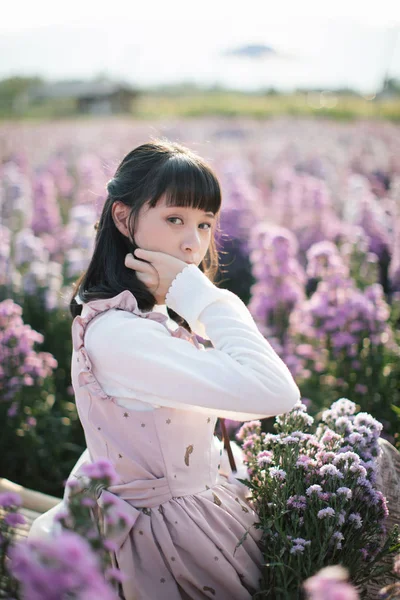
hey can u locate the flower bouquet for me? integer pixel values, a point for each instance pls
(316, 497)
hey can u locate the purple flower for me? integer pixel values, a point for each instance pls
(88, 502)
(20, 364)
(247, 428)
(61, 567)
(313, 489)
(114, 574)
(298, 502)
(382, 504)
(101, 469)
(301, 541)
(346, 459)
(264, 458)
(325, 496)
(338, 538)
(304, 461)
(365, 422)
(276, 473)
(326, 512)
(330, 470)
(356, 519)
(13, 519)
(358, 470)
(10, 500)
(330, 584)
(360, 388)
(330, 436)
(297, 549)
(345, 491)
(356, 438)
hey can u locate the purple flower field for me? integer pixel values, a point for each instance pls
(309, 239)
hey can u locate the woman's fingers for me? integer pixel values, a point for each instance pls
(137, 265)
(157, 270)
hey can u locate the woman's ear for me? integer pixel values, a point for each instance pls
(120, 214)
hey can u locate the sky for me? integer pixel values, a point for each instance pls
(349, 43)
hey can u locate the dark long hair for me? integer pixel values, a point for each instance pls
(144, 175)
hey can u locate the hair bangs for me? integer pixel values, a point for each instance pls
(189, 183)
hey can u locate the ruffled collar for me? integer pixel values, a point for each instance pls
(124, 301)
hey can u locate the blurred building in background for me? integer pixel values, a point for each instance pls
(100, 97)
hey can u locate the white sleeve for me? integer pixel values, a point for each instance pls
(241, 377)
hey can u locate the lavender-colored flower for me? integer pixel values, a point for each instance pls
(324, 259)
(12, 519)
(88, 502)
(58, 568)
(279, 277)
(297, 549)
(313, 489)
(326, 496)
(298, 502)
(356, 438)
(356, 519)
(264, 458)
(342, 407)
(346, 459)
(331, 470)
(250, 427)
(10, 500)
(330, 437)
(358, 470)
(288, 440)
(46, 215)
(301, 541)
(382, 504)
(345, 491)
(364, 422)
(324, 457)
(114, 574)
(304, 461)
(363, 482)
(101, 469)
(276, 473)
(338, 538)
(29, 248)
(330, 583)
(326, 512)
(20, 364)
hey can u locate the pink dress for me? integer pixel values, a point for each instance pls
(187, 520)
(153, 416)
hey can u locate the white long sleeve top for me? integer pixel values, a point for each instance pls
(139, 363)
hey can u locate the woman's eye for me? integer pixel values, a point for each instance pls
(179, 219)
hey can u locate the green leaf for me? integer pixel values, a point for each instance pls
(246, 482)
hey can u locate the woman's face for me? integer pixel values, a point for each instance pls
(182, 232)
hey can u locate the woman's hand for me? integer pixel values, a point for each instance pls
(157, 273)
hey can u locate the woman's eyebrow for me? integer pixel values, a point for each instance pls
(207, 214)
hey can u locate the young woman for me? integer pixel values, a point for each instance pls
(149, 393)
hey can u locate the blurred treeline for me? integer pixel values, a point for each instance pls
(191, 100)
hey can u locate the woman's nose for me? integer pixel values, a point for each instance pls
(191, 242)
